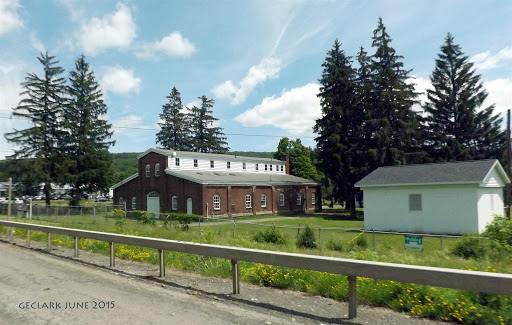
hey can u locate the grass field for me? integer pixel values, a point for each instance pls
(424, 301)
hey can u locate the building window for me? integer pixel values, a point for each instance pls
(270, 167)
(195, 162)
(148, 170)
(228, 165)
(299, 199)
(281, 200)
(277, 168)
(243, 166)
(121, 201)
(174, 203)
(248, 201)
(134, 203)
(256, 166)
(414, 202)
(157, 169)
(177, 163)
(263, 201)
(313, 199)
(281, 168)
(216, 202)
(266, 167)
(212, 164)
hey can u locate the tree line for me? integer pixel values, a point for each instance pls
(368, 118)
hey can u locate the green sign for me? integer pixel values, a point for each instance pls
(414, 242)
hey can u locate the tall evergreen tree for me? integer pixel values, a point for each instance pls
(459, 127)
(206, 137)
(301, 164)
(174, 129)
(88, 162)
(394, 125)
(42, 104)
(340, 127)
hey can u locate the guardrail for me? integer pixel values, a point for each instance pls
(494, 283)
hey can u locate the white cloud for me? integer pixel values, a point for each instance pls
(173, 44)
(120, 81)
(295, 111)
(499, 93)
(487, 61)
(124, 124)
(420, 86)
(36, 43)
(9, 19)
(268, 68)
(10, 79)
(114, 30)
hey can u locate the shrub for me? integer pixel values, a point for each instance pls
(500, 230)
(306, 238)
(335, 245)
(269, 235)
(144, 218)
(469, 247)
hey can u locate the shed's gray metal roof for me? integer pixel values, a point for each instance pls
(461, 172)
(227, 178)
(211, 156)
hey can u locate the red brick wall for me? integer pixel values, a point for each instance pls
(127, 191)
(152, 183)
(183, 189)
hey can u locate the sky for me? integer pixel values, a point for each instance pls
(259, 60)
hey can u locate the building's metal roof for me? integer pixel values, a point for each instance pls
(211, 156)
(124, 181)
(227, 178)
(461, 172)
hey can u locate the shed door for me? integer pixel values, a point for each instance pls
(189, 205)
(153, 203)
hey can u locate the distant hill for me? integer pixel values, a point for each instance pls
(125, 164)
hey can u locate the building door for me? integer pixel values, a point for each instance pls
(189, 205)
(153, 203)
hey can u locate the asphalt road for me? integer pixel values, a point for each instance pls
(38, 288)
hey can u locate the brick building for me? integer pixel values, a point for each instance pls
(214, 184)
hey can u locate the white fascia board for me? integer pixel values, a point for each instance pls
(417, 184)
(501, 171)
(155, 150)
(124, 181)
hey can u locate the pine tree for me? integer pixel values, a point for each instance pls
(394, 125)
(206, 137)
(340, 128)
(174, 129)
(459, 128)
(42, 104)
(301, 164)
(88, 162)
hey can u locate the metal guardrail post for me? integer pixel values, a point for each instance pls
(352, 297)
(28, 238)
(76, 246)
(49, 242)
(112, 254)
(236, 276)
(161, 252)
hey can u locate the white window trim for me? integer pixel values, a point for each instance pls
(248, 201)
(177, 162)
(134, 203)
(243, 166)
(195, 163)
(299, 199)
(266, 167)
(228, 165)
(216, 202)
(281, 200)
(263, 200)
(256, 166)
(157, 170)
(415, 208)
(174, 203)
(313, 198)
(212, 164)
(148, 170)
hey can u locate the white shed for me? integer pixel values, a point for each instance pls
(443, 198)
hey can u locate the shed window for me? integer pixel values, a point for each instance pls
(212, 164)
(263, 201)
(177, 162)
(415, 202)
(148, 170)
(134, 203)
(195, 162)
(174, 203)
(281, 200)
(121, 201)
(270, 167)
(256, 166)
(216, 202)
(266, 167)
(248, 201)
(228, 165)
(243, 166)
(313, 199)
(299, 199)
(157, 169)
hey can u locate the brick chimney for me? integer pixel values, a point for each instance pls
(287, 167)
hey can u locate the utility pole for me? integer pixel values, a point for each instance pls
(508, 164)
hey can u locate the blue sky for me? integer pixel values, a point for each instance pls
(259, 60)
